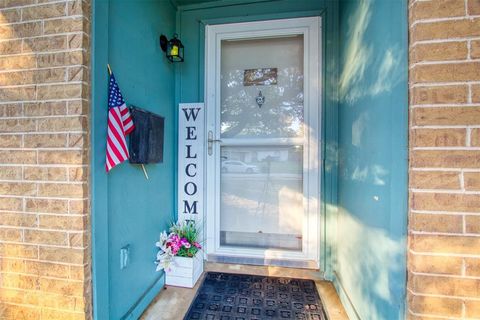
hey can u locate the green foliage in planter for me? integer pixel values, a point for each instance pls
(187, 233)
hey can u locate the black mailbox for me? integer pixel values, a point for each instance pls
(146, 141)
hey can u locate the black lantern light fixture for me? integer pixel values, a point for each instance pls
(173, 48)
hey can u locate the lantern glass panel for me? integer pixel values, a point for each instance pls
(175, 50)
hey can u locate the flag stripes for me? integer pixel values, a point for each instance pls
(127, 119)
(120, 124)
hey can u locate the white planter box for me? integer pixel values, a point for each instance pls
(184, 272)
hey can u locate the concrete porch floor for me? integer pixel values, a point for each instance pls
(173, 302)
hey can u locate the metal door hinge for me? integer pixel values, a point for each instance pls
(210, 142)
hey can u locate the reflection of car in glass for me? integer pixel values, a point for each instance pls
(235, 166)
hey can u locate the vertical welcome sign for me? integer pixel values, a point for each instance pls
(190, 161)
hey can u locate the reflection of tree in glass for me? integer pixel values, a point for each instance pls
(280, 116)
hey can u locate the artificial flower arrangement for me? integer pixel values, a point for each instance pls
(182, 241)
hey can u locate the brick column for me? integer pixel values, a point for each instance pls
(444, 224)
(44, 141)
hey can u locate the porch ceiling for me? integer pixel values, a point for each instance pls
(187, 2)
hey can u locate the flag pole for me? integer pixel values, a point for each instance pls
(144, 171)
(143, 167)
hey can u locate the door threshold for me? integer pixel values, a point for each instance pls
(255, 261)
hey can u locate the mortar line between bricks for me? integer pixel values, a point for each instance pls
(446, 40)
(45, 165)
(469, 50)
(416, 127)
(469, 213)
(36, 87)
(456, 214)
(470, 93)
(42, 277)
(69, 33)
(46, 245)
(453, 234)
(43, 307)
(32, 197)
(448, 191)
(45, 149)
(442, 84)
(66, 231)
(39, 291)
(435, 316)
(444, 275)
(43, 132)
(34, 5)
(39, 54)
(456, 170)
(445, 105)
(54, 116)
(445, 148)
(433, 295)
(446, 254)
(44, 182)
(40, 197)
(62, 17)
(39, 20)
(468, 140)
(65, 215)
(49, 84)
(63, 182)
(43, 101)
(444, 296)
(443, 19)
(48, 261)
(442, 62)
(440, 254)
(67, 67)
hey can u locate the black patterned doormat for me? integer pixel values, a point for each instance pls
(227, 296)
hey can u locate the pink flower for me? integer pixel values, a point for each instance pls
(173, 242)
(184, 242)
(197, 245)
(175, 238)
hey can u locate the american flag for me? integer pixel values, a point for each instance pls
(120, 124)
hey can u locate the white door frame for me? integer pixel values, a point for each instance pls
(310, 28)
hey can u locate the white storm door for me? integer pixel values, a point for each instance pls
(262, 125)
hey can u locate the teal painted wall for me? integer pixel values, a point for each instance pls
(364, 115)
(372, 184)
(127, 209)
(191, 22)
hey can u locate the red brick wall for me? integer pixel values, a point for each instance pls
(44, 213)
(444, 219)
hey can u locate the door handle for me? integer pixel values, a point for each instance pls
(210, 142)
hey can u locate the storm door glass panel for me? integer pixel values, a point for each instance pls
(262, 134)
